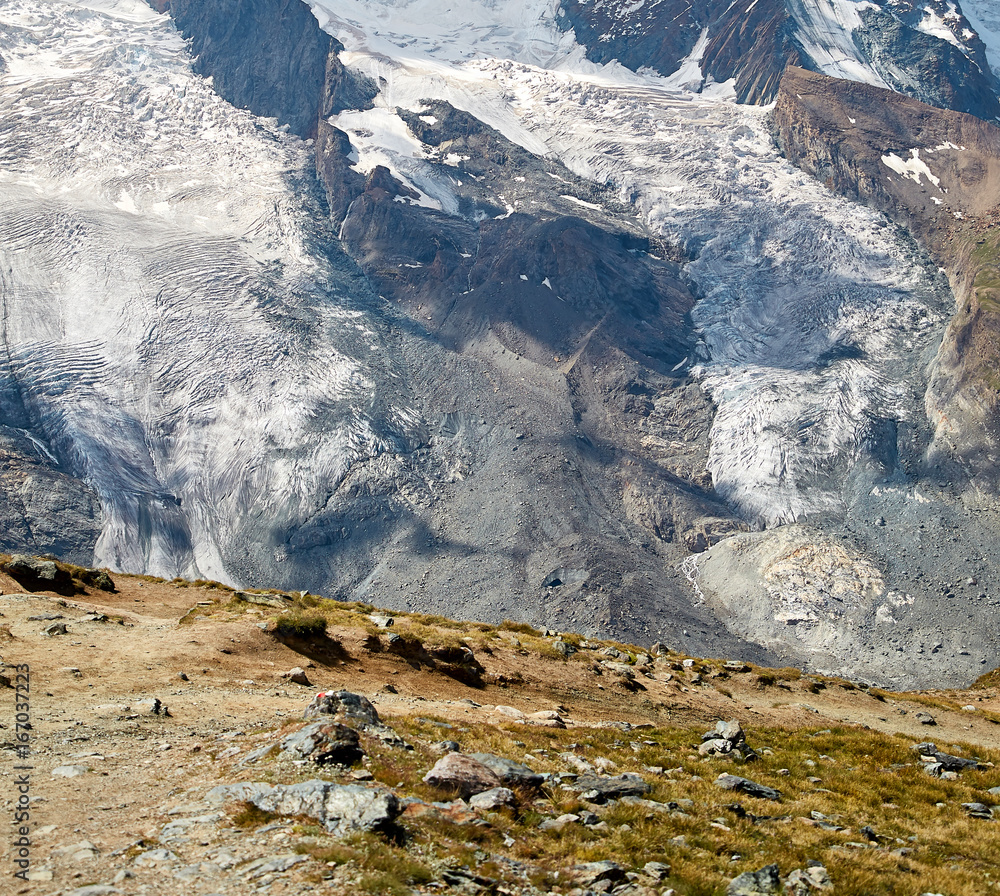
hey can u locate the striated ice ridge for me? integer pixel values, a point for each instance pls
(170, 322)
(984, 16)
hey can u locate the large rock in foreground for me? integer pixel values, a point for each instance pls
(463, 774)
(341, 808)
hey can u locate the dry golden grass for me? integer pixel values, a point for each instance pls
(865, 778)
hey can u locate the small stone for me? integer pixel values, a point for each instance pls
(978, 810)
(765, 882)
(93, 890)
(382, 621)
(77, 852)
(155, 857)
(297, 676)
(925, 718)
(70, 771)
(56, 628)
(563, 648)
(546, 718)
(590, 873)
(182, 676)
(744, 785)
(271, 865)
(495, 798)
(557, 824)
(656, 870)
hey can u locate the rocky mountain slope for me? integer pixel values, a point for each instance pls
(169, 752)
(464, 316)
(927, 50)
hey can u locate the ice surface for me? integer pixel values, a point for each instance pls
(825, 29)
(167, 315)
(937, 25)
(984, 16)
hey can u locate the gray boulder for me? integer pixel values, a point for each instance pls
(490, 800)
(599, 789)
(717, 746)
(323, 743)
(513, 774)
(930, 753)
(344, 707)
(978, 810)
(271, 865)
(341, 808)
(727, 738)
(656, 870)
(765, 882)
(354, 711)
(22, 566)
(745, 785)
(463, 774)
(806, 881)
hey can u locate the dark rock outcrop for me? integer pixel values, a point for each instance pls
(754, 43)
(43, 510)
(324, 743)
(268, 56)
(928, 68)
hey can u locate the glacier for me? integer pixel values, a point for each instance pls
(816, 321)
(176, 332)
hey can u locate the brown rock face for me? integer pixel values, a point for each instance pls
(938, 173)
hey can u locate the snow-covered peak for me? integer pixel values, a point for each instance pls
(455, 31)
